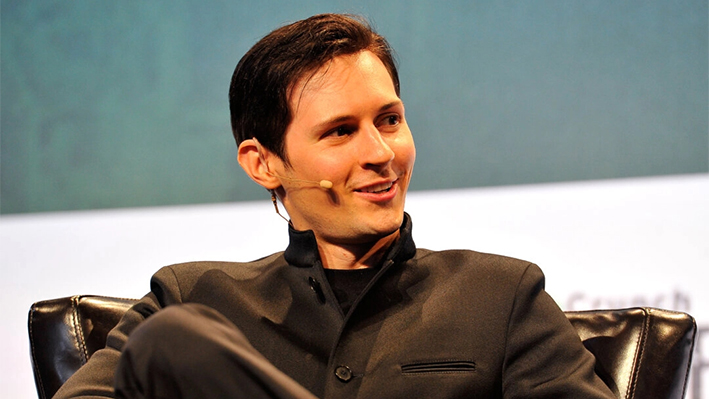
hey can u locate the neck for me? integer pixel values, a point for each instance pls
(355, 256)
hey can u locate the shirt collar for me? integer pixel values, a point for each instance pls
(303, 251)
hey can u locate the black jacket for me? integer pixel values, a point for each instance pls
(450, 324)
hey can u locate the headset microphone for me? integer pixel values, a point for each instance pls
(326, 184)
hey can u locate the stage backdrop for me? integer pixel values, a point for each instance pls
(116, 104)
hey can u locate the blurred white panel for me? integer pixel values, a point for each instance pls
(601, 244)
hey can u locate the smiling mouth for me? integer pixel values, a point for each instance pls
(376, 189)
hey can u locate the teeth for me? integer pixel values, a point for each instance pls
(378, 188)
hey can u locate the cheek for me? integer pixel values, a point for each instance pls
(405, 152)
(313, 163)
(331, 167)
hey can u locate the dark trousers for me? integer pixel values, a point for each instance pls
(192, 351)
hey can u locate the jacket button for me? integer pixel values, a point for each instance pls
(315, 286)
(343, 373)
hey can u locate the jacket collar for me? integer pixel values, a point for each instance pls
(303, 251)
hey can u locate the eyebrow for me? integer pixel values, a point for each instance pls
(344, 118)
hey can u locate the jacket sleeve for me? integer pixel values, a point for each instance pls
(95, 378)
(544, 356)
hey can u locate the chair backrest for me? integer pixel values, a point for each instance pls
(65, 332)
(640, 352)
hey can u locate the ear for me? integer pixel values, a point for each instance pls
(254, 159)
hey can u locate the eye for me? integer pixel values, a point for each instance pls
(340, 131)
(389, 121)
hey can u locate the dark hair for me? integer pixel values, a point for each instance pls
(266, 74)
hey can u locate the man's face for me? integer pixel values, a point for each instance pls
(348, 127)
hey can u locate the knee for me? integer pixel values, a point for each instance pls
(177, 334)
(173, 350)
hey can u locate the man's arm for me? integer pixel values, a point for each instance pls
(545, 357)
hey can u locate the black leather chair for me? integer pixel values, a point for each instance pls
(640, 352)
(65, 332)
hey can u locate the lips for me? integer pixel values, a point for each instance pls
(377, 188)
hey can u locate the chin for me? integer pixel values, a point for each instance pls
(388, 225)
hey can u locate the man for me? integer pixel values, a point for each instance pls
(351, 309)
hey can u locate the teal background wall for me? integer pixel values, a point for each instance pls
(124, 104)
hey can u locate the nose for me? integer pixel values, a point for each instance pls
(375, 151)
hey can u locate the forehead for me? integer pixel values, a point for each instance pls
(342, 85)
